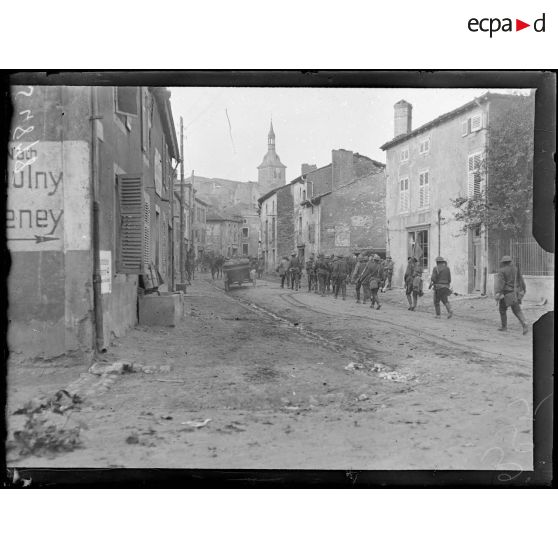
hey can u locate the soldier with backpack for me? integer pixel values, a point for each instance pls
(441, 281)
(510, 290)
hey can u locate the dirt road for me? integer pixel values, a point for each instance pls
(268, 368)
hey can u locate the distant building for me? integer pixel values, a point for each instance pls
(432, 165)
(337, 209)
(233, 197)
(223, 236)
(271, 171)
(90, 174)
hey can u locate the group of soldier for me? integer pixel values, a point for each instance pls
(330, 274)
(373, 275)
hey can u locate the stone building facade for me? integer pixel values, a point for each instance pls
(340, 208)
(276, 225)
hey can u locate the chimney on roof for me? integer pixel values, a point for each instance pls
(306, 168)
(403, 118)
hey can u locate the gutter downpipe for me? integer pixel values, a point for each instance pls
(97, 296)
(173, 255)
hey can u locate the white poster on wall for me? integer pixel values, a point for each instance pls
(158, 169)
(105, 259)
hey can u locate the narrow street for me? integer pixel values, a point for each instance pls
(262, 373)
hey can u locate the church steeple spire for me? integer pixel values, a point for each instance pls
(271, 138)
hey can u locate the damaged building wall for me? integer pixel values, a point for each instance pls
(353, 216)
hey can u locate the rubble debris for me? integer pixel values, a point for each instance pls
(235, 426)
(44, 431)
(194, 424)
(398, 376)
(167, 417)
(354, 366)
(363, 397)
(61, 402)
(126, 367)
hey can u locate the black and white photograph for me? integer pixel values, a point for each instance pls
(269, 277)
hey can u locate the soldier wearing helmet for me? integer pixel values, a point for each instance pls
(388, 269)
(371, 278)
(355, 277)
(441, 281)
(413, 280)
(510, 290)
(322, 270)
(294, 271)
(339, 277)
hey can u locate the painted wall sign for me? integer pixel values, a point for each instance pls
(105, 259)
(35, 212)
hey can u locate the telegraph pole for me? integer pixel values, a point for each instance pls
(191, 216)
(182, 278)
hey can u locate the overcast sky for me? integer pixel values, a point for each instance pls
(308, 123)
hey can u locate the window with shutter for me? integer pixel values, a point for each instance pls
(130, 201)
(474, 178)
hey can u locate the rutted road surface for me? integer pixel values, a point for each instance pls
(268, 368)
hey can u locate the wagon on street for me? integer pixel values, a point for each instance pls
(237, 272)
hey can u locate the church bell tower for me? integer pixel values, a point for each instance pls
(271, 172)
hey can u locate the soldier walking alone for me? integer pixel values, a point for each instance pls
(441, 281)
(510, 290)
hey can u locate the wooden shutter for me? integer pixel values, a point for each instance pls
(464, 127)
(427, 189)
(474, 175)
(476, 122)
(130, 192)
(146, 232)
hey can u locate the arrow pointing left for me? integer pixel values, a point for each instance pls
(37, 238)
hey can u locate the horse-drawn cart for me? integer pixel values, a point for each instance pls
(237, 272)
